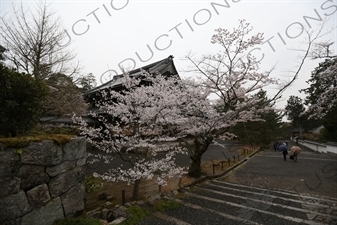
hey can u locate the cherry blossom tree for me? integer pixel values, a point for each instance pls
(322, 92)
(133, 123)
(321, 96)
(232, 76)
(322, 50)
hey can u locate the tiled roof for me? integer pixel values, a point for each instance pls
(165, 67)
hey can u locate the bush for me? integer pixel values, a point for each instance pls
(138, 213)
(315, 137)
(21, 99)
(92, 184)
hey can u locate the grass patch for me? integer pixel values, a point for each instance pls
(164, 205)
(92, 184)
(24, 141)
(77, 221)
(138, 213)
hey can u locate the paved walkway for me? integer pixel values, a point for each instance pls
(313, 173)
(264, 189)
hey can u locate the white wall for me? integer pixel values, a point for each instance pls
(319, 147)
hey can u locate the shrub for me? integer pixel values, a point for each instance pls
(21, 99)
(138, 213)
(92, 184)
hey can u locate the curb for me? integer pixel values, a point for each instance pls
(210, 177)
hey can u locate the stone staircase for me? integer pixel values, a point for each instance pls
(218, 202)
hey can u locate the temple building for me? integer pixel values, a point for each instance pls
(164, 67)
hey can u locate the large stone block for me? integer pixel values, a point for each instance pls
(64, 181)
(61, 168)
(34, 180)
(13, 222)
(74, 149)
(73, 201)
(45, 215)
(9, 185)
(45, 153)
(9, 169)
(38, 196)
(14, 206)
(9, 163)
(28, 170)
(9, 155)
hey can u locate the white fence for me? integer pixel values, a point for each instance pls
(320, 147)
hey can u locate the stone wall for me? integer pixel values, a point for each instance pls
(42, 182)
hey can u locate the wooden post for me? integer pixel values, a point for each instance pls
(222, 164)
(234, 158)
(213, 164)
(238, 157)
(123, 197)
(229, 161)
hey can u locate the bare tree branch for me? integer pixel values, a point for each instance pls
(32, 38)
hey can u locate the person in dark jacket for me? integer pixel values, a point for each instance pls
(284, 149)
(276, 144)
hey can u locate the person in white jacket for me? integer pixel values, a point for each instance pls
(295, 151)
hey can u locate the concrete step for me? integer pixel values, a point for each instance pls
(219, 202)
(317, 208)
(257, 213)
(326, 202)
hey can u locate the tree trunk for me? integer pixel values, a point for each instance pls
(199, 149)
(195, 168)
(135, 194)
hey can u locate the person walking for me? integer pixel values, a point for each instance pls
(276, 144)
(284, 149)
(295, 151)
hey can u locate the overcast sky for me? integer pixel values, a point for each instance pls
(107, 34)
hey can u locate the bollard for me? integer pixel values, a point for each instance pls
(234, 158)
(123, 197)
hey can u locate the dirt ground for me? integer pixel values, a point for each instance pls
(96, 198)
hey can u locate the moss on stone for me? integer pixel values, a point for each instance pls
(24, 141)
